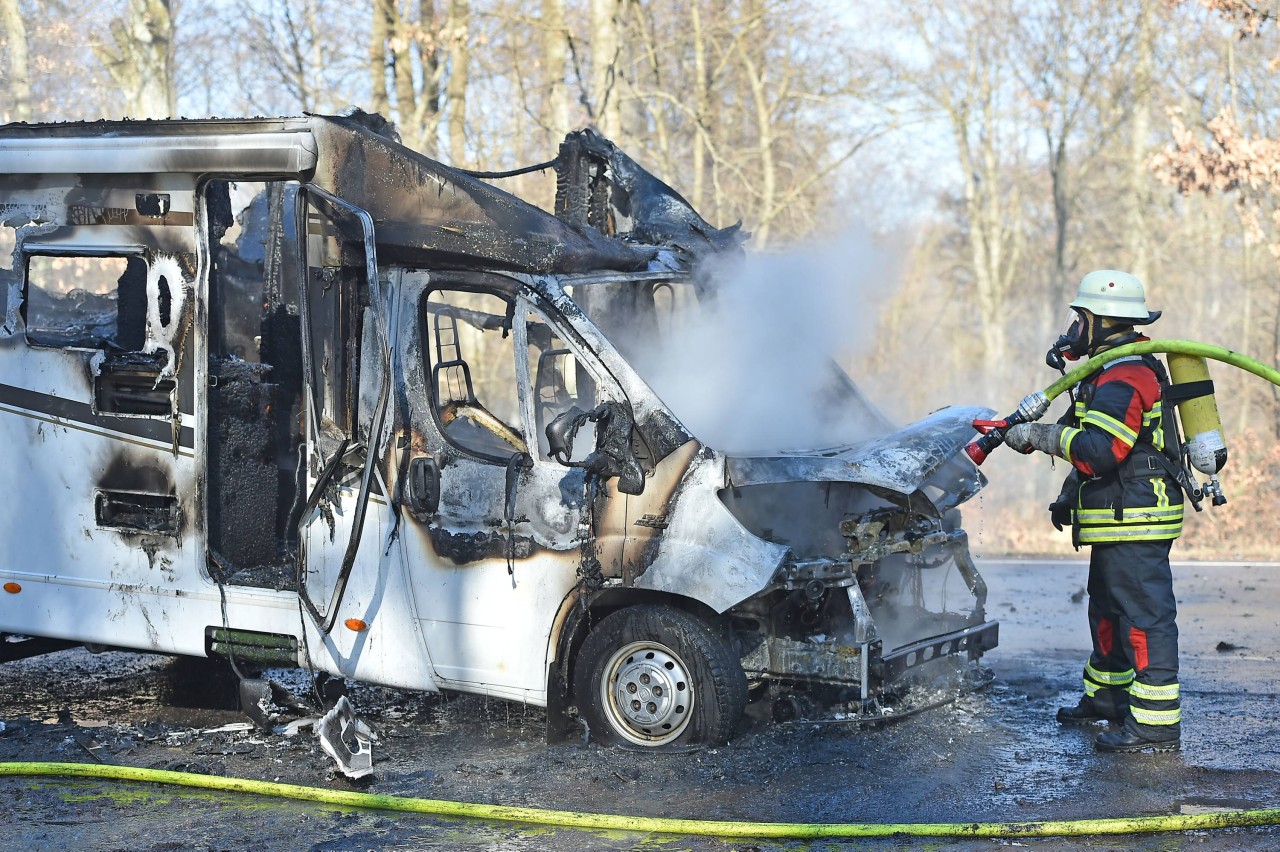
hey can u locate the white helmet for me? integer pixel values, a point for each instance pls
(1111, 293)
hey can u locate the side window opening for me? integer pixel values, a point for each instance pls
(335, 278)
(475, 394)
(91, 302)
(559, 380)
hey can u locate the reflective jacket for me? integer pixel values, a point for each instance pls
(1115, 441)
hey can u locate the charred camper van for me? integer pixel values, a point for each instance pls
(287, 392)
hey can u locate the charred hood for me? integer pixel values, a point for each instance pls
(902, 461)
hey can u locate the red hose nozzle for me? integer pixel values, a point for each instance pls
(979, 448)
(992, 436)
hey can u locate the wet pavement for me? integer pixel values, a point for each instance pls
(994, 755)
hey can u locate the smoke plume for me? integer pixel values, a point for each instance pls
(753, 368)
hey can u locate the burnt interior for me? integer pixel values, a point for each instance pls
(255, 381)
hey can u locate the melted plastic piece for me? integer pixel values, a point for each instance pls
(346, 739)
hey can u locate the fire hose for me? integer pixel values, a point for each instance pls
(994, 430)
(652, 825)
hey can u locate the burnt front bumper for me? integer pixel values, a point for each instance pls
(974, 641)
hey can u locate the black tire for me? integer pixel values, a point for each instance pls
(681, 682)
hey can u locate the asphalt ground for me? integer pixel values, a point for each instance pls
(993, 755)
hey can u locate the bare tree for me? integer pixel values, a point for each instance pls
(555, 58)
(458, 26)
(139, 58)
(15, 31)
(606, 41)
(1062, 52)
(384, 13)
(963, 80)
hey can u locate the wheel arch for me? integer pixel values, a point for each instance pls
(575, 623)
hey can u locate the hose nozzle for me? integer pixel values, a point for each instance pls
(993, 433)
(979, 448)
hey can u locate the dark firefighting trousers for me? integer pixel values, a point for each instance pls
(1132, 618)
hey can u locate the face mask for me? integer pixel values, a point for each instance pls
(1072, 345)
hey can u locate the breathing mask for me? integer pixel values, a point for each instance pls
(1072, 344)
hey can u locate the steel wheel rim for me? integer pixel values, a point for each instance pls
(647, 693)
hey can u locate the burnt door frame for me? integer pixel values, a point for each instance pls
(349, 448)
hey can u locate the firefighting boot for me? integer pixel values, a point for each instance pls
(1131, 737)
(1106, 705)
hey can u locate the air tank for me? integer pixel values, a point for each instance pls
(1201, 425)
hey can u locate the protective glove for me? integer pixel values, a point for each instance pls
(1033, 406)
(1025, 437)
(1060, 514)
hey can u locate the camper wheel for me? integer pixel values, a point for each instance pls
(655, 676)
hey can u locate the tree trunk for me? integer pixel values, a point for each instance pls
(764, 148)
(604, 60)
(15, 30)
(701, 97)
(140, 58)
(456, 90)
(555, 56)
(379, 35)
(1139, 175)
(402, 74)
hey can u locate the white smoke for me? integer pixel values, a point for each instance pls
(754, 369)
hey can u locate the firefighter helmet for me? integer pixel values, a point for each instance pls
(1115, 294)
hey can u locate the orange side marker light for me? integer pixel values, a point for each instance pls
(356, 624)
(12, 588)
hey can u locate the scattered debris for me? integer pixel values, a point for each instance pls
(1078, 595)
(1223, 647)
(229, 728)
(255, 702)
(346, 739)
(293, 728)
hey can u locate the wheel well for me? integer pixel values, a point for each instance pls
(608, 601)
(578, 624)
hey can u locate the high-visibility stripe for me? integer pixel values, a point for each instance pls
(1064, 440)
(1117, 535)
(1090, 688)
(1124, 360)
(1111, 426)
(1146, 691)
(1155, 717)
(1102, 678)
(1153, 424)
(1162, 492)
(1139, 515)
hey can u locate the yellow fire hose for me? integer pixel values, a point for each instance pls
(652, 825)
(1183, 347)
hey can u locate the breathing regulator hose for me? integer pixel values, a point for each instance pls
(653, 825)
(979, 448)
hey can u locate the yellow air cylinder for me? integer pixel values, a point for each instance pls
(1199, 415)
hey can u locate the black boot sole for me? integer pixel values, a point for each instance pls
(1146, 746)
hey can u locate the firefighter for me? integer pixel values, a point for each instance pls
(1122, 499)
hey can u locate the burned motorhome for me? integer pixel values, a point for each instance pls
(287, 392)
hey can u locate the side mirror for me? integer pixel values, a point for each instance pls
(561, 432)
(422, 491)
